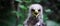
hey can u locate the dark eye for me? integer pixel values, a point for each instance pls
(32, 10)
(39, 10)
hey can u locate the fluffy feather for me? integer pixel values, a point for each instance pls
(33, 20)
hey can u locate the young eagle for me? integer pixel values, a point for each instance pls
(35, 17)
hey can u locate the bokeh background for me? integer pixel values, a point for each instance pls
(14, 12)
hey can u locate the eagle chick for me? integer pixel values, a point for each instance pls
(35, 16)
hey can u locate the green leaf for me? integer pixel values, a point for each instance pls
(23, 7)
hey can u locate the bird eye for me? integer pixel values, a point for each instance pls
(32, 10)
(39, 10)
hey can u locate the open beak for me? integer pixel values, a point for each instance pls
(35, 13)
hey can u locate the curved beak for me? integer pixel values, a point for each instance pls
(35, 13)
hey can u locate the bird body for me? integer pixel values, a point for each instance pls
(35, 16)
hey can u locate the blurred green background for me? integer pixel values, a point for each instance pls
(16, 12)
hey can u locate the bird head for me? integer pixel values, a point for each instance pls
(35, 9)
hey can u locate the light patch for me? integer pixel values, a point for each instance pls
(36, 11)
(35, 6)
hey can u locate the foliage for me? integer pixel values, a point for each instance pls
(9, 14)
(23, 12)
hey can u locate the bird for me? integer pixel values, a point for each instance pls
(35, 16)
